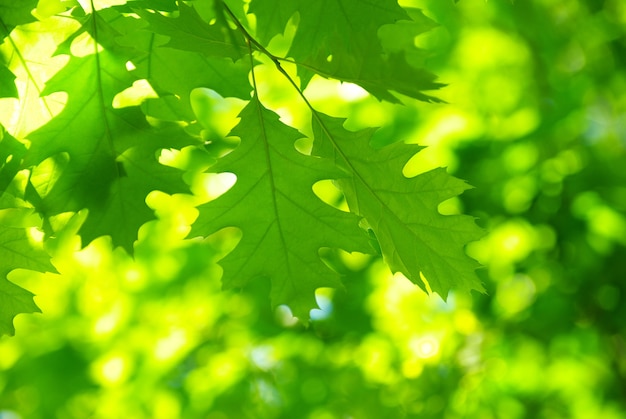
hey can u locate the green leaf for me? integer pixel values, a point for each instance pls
(14, 300)
(7, 83)
(174, 73)
(327, 27)
(188, 32)
(272, 17)
(112, 153)
(340, 39)
(284, 225)
(380, 75)
(13, 13)
(414, 237)
(17, 251)
(164, 5)
(11, 154)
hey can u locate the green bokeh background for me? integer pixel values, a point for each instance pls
(535, 119)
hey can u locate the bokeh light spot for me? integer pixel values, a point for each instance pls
(424, 346)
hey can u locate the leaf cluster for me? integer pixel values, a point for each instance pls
(98, 160)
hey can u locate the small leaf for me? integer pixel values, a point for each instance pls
(188, 32)
(17, 251)
(7, 83)
(11, 154)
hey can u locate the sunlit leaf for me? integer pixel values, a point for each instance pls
(284, 224)
(403, 212)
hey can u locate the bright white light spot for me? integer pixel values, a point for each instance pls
(168, 156)
(285, 115)
(106, 324)
(263, 357)
(84, 45)
(112, 370)
(36, 234)
(218, 184)
(130, 66)
(132, 275)
(88, 257)
(134, 95)
(351, 92)
(424, 347)
(511, 242)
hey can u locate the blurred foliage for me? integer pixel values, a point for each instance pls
(535, 119)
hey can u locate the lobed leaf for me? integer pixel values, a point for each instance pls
(11, 154)
(340, 39)
(414, 237)
(17, 251)
(189, 32)
(284, 224)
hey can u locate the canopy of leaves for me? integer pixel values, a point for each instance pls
(127, 82)
(533, 118)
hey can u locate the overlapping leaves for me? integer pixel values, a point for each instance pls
(339, 39)
(100, 157)
(106, 157)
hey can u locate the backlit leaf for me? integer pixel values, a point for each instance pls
(284, 225)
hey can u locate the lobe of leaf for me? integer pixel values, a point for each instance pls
(414, 237)
(7, 83)
(13, 13)
(17, 252)
(11, 154)
(284, 224)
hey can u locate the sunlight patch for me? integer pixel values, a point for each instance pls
(170, 345)
(424, 347)
(351, 92)
(216, 184)
(134, 95)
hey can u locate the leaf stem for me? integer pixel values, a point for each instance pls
(276, 60)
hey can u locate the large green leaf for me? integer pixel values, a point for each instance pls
(111, 154)
(13, 13)
(340, 39)
(403, 212)
(284, 224)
